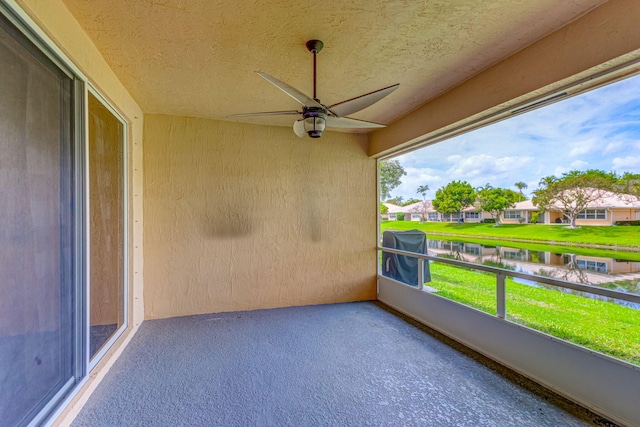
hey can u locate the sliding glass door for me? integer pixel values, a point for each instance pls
(39, 223)
(63, 225)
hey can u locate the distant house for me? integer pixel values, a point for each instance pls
(392, 212)
(470, 214)
(521, 213)
(605, 211)
(415, 211)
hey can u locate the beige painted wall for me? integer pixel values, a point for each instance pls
(241, 217)
(630, 214)
(609, 33)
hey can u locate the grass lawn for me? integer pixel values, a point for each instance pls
(598, 325)
(558, 234)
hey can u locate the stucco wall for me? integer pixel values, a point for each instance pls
(241, 217)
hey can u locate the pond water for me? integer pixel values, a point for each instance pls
(612, 273)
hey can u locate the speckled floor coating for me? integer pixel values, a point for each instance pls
(333, 365)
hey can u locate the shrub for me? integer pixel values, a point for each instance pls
(489, 220)
(534, 217)
(400, 216)
(632, 222)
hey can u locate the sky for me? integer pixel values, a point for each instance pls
(599, 129)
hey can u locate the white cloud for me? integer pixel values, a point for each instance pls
(582, 147)
(579, 164)
(612, 147)
(560, 170)
(485, 166)
(621, 164)
(416, 177)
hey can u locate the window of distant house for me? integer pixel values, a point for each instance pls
(472, 215)
(434, 215)
(450, 217)
(592, 265)
(593, 214)
(472, 250)
(415, 216)
(512, 214)
(512, 255)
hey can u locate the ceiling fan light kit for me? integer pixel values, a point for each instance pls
(315, 120)
(316, 116)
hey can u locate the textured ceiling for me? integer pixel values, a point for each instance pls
(199, 57)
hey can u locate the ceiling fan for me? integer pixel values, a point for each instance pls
(317, 116)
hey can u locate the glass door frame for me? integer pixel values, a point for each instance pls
(92, 362)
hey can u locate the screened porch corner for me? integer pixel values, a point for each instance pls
(341, 364)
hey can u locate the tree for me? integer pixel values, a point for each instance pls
(521, 186)
(575, 191)
(390, 173)
(410, 201)
(423, 208)
(398, 201)
(454, 197)
(496, 200)
(383, 208)
(423, 190)
(629, 185)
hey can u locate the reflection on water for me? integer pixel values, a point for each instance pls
(618, 274)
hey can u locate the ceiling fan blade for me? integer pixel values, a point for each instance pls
(348, 122)
(267, 113)
(361, 102)
(298, 128)
(291, 91)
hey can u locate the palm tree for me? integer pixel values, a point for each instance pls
(423, 190)
(521, 186)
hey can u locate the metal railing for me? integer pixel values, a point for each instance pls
(502, 274)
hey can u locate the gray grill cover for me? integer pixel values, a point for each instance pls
(401, 267)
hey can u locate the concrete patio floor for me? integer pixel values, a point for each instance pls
(354, 364)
